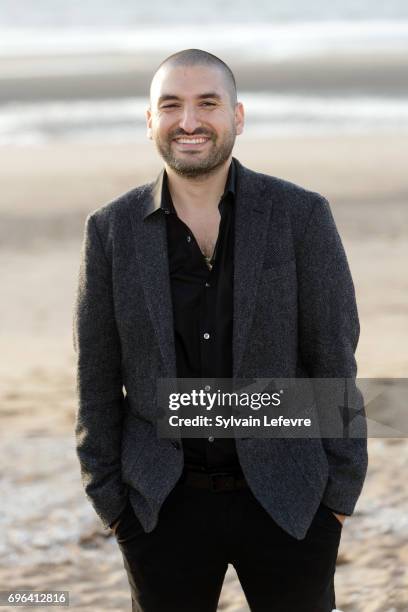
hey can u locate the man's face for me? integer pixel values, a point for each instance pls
(192, 119)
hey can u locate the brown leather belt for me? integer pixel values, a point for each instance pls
(215, 481)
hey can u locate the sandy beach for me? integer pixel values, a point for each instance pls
(52, 539)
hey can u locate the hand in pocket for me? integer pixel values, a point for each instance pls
(116, 522)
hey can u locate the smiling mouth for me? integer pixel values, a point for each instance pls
(196, 141)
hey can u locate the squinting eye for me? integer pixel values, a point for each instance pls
(208, 104)
(169, 106)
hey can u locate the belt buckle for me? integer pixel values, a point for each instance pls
(225, 474)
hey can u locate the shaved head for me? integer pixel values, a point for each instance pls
(197, 57)
(194, 115)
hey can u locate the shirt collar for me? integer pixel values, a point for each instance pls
(161, 198)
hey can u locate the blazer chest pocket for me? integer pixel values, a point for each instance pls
(275, 271)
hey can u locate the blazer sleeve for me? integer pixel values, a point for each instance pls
(328, 335)
(98, 425)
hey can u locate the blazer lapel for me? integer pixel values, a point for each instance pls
(151, 247)
(252, 212)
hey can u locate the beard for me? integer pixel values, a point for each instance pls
(191, 165)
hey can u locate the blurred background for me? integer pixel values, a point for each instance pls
(325, 89)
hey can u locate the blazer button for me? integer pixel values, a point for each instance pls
(176, 444)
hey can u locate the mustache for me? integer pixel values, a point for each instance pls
(198, 132)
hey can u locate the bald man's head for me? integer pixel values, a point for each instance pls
(196, 57)
(194, 116)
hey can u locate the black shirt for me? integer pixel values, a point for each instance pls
(202, 314)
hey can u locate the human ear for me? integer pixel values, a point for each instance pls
(149, 123)
(239, 118)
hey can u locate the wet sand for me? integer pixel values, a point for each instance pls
(125, 75)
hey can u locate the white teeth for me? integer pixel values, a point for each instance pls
(191, 140)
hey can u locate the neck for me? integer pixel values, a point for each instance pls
(198, 193)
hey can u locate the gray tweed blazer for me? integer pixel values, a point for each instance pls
(295, 315)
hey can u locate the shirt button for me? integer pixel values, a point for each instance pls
(211, 439)
(207, 285)
(188, 238)
(206, 336)
(207, 388)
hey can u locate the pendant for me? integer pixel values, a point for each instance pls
(208, 262)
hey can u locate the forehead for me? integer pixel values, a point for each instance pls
(187, 81)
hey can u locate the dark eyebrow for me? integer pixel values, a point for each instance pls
(166, 97)
(211, 94)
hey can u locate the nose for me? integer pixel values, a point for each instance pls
(188, 120)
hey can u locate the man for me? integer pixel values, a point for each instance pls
(213, 271)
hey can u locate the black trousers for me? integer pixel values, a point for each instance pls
(180, 565)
